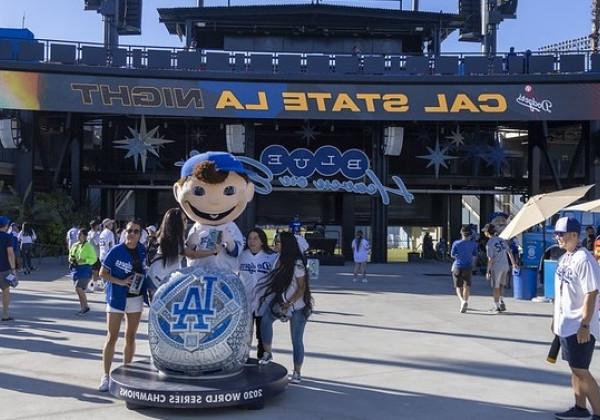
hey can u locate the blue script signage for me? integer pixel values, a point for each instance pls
(302, 167)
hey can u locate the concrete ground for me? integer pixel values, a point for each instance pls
(395, 348)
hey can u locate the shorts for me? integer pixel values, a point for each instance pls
(3, 283)
(96, 266)
(499, 278)
(461, 276)
(82, 283)
(578, 355)
(133, 305)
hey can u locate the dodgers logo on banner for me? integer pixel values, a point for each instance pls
(302, 167)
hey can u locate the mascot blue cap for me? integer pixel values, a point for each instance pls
(224, 161)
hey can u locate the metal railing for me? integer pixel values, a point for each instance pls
(141, 57)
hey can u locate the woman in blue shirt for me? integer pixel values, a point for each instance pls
(120, 268)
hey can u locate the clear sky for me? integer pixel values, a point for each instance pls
(539, 22)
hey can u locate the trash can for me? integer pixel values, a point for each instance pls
(525, 283)
(313, 268)
(549, 272)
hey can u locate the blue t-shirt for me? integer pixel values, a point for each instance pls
(119, 261)
(463, 252)
(6, 241)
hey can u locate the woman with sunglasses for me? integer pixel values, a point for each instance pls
(287, 288)
(123, 269)
(256, 262)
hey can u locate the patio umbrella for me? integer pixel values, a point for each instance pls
(540, 207)
(591, 206)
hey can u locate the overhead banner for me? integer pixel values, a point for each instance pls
(237, 99)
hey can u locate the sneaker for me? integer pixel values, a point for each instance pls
(266, 359)
(103, 387)
(364, 280)
(463, 307)
(83, 312)
(296, 378)
(502, 307)
(574, 412)
(495, 310)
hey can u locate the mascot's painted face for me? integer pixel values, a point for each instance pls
(212, 196)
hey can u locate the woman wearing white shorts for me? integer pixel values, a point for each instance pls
(118, 268)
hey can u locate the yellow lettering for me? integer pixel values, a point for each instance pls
(343, 101)
(319, 98)
(228, 99)
(463, 103)
(442, 104)
(294, 101)
(369, 99)
(395, 102)
(262, 104)
(498, 102)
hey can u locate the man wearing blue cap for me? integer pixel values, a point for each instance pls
(213, 191)
(8, 267)
(575, 319)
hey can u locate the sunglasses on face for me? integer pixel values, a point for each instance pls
(560, 234)
(136, 231)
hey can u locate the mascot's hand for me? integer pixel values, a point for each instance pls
(227, 239)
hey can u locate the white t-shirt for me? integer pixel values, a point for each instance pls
(254, 268)
(94, 239)
(106, 243)
(577, 274)
(361, 254)
(299, 271)
(497, 251)
(199, 237)
(158, 272)
(27, 239)
(72, 236)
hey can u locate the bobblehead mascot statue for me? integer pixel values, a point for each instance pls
(199, 322)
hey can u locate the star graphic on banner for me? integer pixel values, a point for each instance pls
(476, 152)
(437, 157)
(308, 132)
(456, 138)
(496, 157)
(142, 143)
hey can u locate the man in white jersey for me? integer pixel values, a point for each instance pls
(498, 253)
(575, 319)
(213, 191)
(107, 239)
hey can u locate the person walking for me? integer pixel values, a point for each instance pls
(8, 266)
(72, 236)
(463, 251)
(82, 257)
(498, 254)
(122, 267)
(360, 251)
(286, 288)
(14, 231)
(575, 319)
(94, 240)
(256, 262)
(27, 237)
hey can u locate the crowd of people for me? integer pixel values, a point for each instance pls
(275, 279)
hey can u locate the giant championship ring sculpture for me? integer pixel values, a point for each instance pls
(199, 324)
